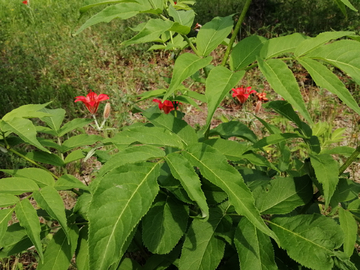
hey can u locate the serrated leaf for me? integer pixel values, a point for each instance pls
(324, 78)
(131, 154)
(40, 176)
(234, 129)
(164, 225)
(5, 216)
(59, 252)
(218, 84)
(185, 66)
(282, 80)
(49, 199)
(182, 170)
(120, 11)
(16, 240)
(150, 32)
(281, 45)
(73, 124)
(8, 199)
(68, 181)
(55, 120)
(213, 33)
(344, 54)
(349, 226)
(82, 255)
(232, 150)
(246, 51)
(326, 171)
(318, 237)
(283, 194)
(310, 44)
(214, 167)
(254, 248)
(29, 220)
(134, 188)
(25, 129)
(183, 17)
(201, 248)
(178, 126)
(17, 185)
(80, 140)
(147, 135)
(346, 190)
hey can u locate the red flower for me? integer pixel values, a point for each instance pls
(175, 2)
(92, 101)
(167, 105)
(261, 96)
(242, 93)
(25, 2)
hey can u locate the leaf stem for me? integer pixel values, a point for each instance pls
(350, 160)
(191, 45)
(236, 31)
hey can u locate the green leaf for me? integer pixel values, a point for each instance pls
(49, 199)
(120, 11)
(285, 109)
(281, 45)
(80, 140)
(45, 158)
(17, 185)
(27, 111)
(258, 160)
(234, 129)
(164, 225)
(147, 135)
(214, 167)
(59, 252)
(185, 66)
(309, 239)
(232, 150)
(128, 264)
(8, 199)
(134, 188)
(245, 52)
(40, 176)
(326, 171)
(183, 17)
(218, 84)
(16, 240)
(343, 54)
(5, 217)
(213, 33)
(74, 155)
(68, 181)
(150, 32)
(73, 124)
(349, 5)
(25, 129)
(275, 138)
(182, 170)
(254, 248)
(283, 194)
(310, 44)
(29, 219)
(350, 228)
(82, 254)
(324, 78)
(346, 190)
(55, 120)
(282, 80)
(178, 126)
(201, 248)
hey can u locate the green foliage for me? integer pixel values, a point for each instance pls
(168, 195)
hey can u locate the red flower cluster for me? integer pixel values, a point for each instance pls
(167, 105)
(92, 101)
(25, 2)
(242, 93)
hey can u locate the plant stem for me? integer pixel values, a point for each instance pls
(350, 160)
(96, 122)
(191, 45)
(236, 31)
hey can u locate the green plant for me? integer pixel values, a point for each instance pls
(168, 195)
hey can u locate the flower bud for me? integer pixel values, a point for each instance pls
(107, 110)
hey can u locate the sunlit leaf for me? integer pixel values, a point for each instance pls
(349, 226)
